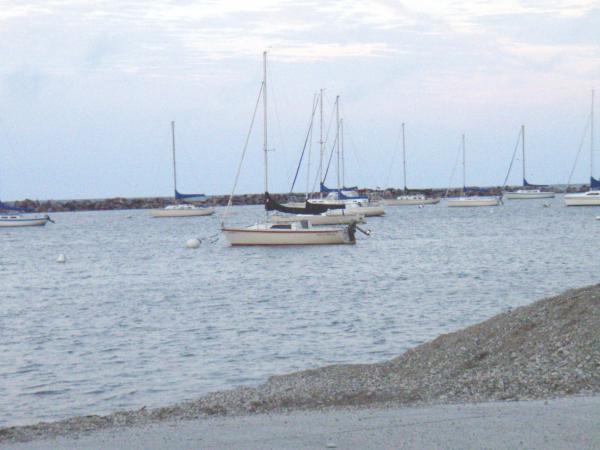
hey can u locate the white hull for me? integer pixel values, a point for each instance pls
(591, 198)
(525, 195)
(473, 201)
(366, 211)
(252, 236)
(16, 221)
(319, 219)
(181, 212)
(410, 201)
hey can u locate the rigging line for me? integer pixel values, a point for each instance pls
(239, 169)
(587, 126)
(513, 158)
(361, 162)
(453, 170)
(395, 150)
(330, 158)
(308, 135)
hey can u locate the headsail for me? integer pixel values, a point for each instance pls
(309, 208)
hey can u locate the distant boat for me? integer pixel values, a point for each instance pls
(470, 201)
(592, 197)
(272, 234)
(21, 220)
(529, 191)
(181, 210)
(409, 199)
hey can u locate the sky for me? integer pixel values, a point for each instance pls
(88, 90)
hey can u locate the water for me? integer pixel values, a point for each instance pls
(134, 318)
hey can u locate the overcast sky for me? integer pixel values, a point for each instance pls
(88, 90)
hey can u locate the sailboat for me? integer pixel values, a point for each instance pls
(181, 209)
(355, 204)
(529, 191)
(12, 218)
(591, 197)
(269, 233)
(465, 201)
(406, 198)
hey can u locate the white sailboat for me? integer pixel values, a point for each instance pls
(23, 220)
(526, 193)
(592, 197)
(466, 201)
(181, 209)
(272, 234)
(409, 199)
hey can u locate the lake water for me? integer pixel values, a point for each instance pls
(134, 318)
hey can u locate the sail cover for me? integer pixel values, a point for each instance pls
(594, 184)
(346, 193)
(309, 208)
(7, 208)
(527, 184)
(189, 197)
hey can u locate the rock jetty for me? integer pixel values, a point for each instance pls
(547, 349)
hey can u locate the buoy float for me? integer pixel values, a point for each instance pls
(61, 258)
(193, 243)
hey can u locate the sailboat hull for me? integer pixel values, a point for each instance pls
(473, 201)
(158, 213)
(254, 236)
(527, 195)
(591, 198)
(16, 221)
(410, 201)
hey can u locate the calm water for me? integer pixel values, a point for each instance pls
(134, 318)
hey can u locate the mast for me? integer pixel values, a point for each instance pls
(404, 158)
(592, 141)
(265, 148)
(174, 164)
(337, 120)
(343, 153)
(523, 145)
(464, 166)
(321, 145)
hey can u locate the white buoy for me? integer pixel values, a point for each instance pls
(421, 206)
(61, 258)
(193, 243)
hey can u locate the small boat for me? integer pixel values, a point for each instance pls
(274, 234)
(182, 209)
(407, 199)
(22, 220)
(591, 197)
(416, 199)
(529, 191)
(470, 201)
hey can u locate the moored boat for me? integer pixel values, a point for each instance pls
(21, 220)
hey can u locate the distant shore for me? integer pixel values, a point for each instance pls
(119, 203)
(548, 349)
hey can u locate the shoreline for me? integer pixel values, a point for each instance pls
(548, 349)
(123, 203)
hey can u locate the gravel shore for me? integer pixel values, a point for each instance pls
(550, 348)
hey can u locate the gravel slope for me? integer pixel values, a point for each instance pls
(547, 349)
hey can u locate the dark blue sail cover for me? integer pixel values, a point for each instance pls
(594, 184)
(527, 184)
(7, 208)
(189, 197)
(342, 193)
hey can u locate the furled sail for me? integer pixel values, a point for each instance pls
(594, 184)
(309, 208)
(7, 208)
(527, 184)
(346, 193)
(189, 197)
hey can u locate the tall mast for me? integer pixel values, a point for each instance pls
(337, 120)
(265, 148)
(464, 165)
(343, 153)
(592, 140)
(321, 145)
(404, 157)
(523, 145)
(174, 163)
